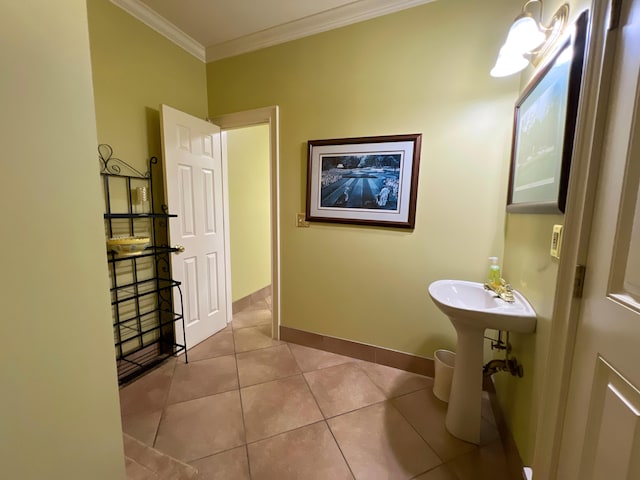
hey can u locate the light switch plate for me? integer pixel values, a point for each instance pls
(556, 241)
(300, 221)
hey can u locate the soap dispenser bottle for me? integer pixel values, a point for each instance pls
(495, 276)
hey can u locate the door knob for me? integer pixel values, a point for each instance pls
(179, 249)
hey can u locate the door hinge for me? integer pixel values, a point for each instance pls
(614, 15)
(578, 283)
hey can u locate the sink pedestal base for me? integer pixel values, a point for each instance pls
(472, 309)
(465, 402)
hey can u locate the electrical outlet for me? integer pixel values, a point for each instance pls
(300, 221)
(556, 241)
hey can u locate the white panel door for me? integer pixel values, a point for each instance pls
(192, 160)
(601, 433)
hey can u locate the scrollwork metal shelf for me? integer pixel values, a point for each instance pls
(142, 290)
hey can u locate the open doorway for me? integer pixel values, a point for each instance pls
(249, 195)
(236, 126)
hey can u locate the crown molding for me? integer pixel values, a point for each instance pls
(355, 12)
(338, 17)
(149, 17)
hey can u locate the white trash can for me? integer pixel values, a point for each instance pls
(445, 362)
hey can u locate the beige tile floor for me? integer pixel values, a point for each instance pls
(249, 407)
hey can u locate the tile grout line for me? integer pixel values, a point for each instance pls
(246, 454)
(244, 427)
(214, 355)
(384, 394)
(442, 462)
(164, 405)
(244, 423)
(324, 419)
(437, 466)
(356, 362)
(277, 342)
(253, 326)
(340, 448)
(226, 450)
(203, 396)
(274, 435)
(273, 380)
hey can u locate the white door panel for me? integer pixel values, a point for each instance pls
(194, 190)
(612, 446)
(601, 433)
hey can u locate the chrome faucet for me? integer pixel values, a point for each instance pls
(502, 290)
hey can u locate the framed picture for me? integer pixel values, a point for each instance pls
(544, 130)
(365, 180)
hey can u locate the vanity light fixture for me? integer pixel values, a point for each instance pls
(529, 39)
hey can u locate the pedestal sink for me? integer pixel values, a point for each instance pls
(472, 309)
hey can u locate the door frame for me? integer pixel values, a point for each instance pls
(248, 118)
(591, 121)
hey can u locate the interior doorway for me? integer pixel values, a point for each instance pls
(267, 116)
(247, 153)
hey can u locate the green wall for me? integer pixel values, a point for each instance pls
(423, 70)
(530, 269)
(135, 69)
(59, 408)
(249, 209)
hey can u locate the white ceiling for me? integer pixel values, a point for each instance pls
(214, 29)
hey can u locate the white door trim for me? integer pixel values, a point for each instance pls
(270, 116)
(577, 227)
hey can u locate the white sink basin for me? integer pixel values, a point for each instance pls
(472, 309)
(470, 303)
